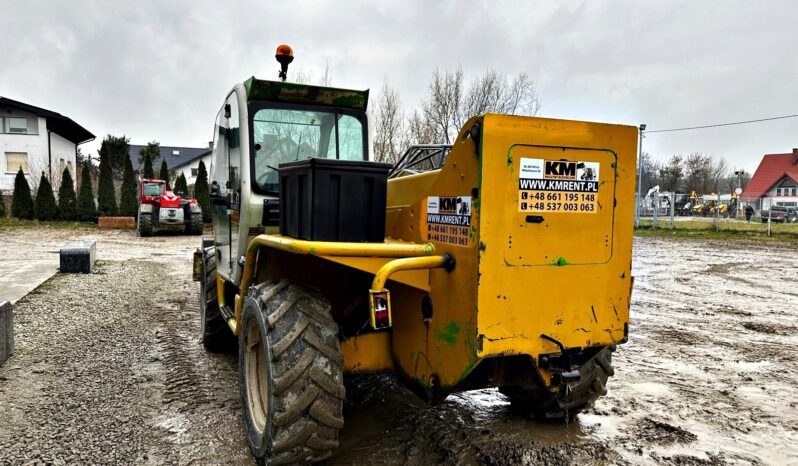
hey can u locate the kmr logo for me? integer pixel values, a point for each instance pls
(560, 170)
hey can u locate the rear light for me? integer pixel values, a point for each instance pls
(380, 307)
(193, 201)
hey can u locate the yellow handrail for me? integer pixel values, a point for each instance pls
(333, 248)
(321, 248)
(409, 263)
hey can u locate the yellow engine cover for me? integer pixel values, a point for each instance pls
(538, 216)
(555, 234)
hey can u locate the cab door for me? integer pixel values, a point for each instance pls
(221, 193)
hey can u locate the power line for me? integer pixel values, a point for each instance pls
(721, 124)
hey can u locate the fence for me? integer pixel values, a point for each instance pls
(677, 211)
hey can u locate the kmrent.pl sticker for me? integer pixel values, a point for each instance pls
(558, 186)
(449, 219)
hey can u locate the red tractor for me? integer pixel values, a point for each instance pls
(162, 209)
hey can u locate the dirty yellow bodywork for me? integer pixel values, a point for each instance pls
(519, 273)
(537, 215)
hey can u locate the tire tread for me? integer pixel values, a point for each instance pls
(306, 372)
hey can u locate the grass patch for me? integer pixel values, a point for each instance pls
(724, 229)
(15, 224)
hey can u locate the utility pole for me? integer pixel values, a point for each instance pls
(739, 174)
(639, 175)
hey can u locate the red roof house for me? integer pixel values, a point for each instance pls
(777, 175)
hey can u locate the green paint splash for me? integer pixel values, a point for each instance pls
(449, 333)
(560, 261)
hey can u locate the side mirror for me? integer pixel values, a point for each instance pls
(214, 189)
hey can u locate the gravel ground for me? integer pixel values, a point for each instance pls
(109, 369)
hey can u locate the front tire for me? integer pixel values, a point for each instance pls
(542, 404)
(290, 375)
(145, 224)
(194, 225)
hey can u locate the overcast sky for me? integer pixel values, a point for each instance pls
(161, 70)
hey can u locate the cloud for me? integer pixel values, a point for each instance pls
(160, 70)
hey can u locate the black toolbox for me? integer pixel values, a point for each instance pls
(333, 200)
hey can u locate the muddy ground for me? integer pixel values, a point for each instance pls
(109, 369)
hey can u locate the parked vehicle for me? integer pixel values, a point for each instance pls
(780, 214)
(163, 209)
(503, 260)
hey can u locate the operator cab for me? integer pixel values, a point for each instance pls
(289, 133)
(260, 126)
(150, 188)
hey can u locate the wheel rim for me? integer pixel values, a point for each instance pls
(256, 380)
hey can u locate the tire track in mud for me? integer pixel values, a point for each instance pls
(187, 383)
(110, 369)
(201, 407)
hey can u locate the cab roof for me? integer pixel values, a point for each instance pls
(292, 93)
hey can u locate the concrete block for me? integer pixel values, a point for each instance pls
(117, 223)
(6, 331)
(78, 257)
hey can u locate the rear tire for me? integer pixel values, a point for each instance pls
(194, 225)
(216, 335)
(290, 375)
(145, 224)
(542, 404)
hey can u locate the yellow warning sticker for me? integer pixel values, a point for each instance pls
(558, 186)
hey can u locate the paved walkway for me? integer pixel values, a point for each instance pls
(20, 277)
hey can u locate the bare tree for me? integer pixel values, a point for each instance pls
(419, 130)
(388, 125)
(326, 76)
(493, 92)
(522, 98)
(449, 104)
(696, 172)
(649, 169)
(670, 174)
(442, 108)
(718, 171)
(301, 76)
(304, 76)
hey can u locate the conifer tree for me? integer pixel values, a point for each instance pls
(181, 186)
(87, 210)
(128, 204)
(164, 175)
(45, 208)
(201, 192)
(22, 204)
(2, 206)
(67, 200)
(106, 195)
(147, 172)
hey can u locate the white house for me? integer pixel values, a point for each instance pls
(775, 182)
(189, 169)
(37, 140)
(179, 160)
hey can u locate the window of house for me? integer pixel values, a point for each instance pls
(194, 172)
(15, 161)
(787, 188)
(17, 125)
